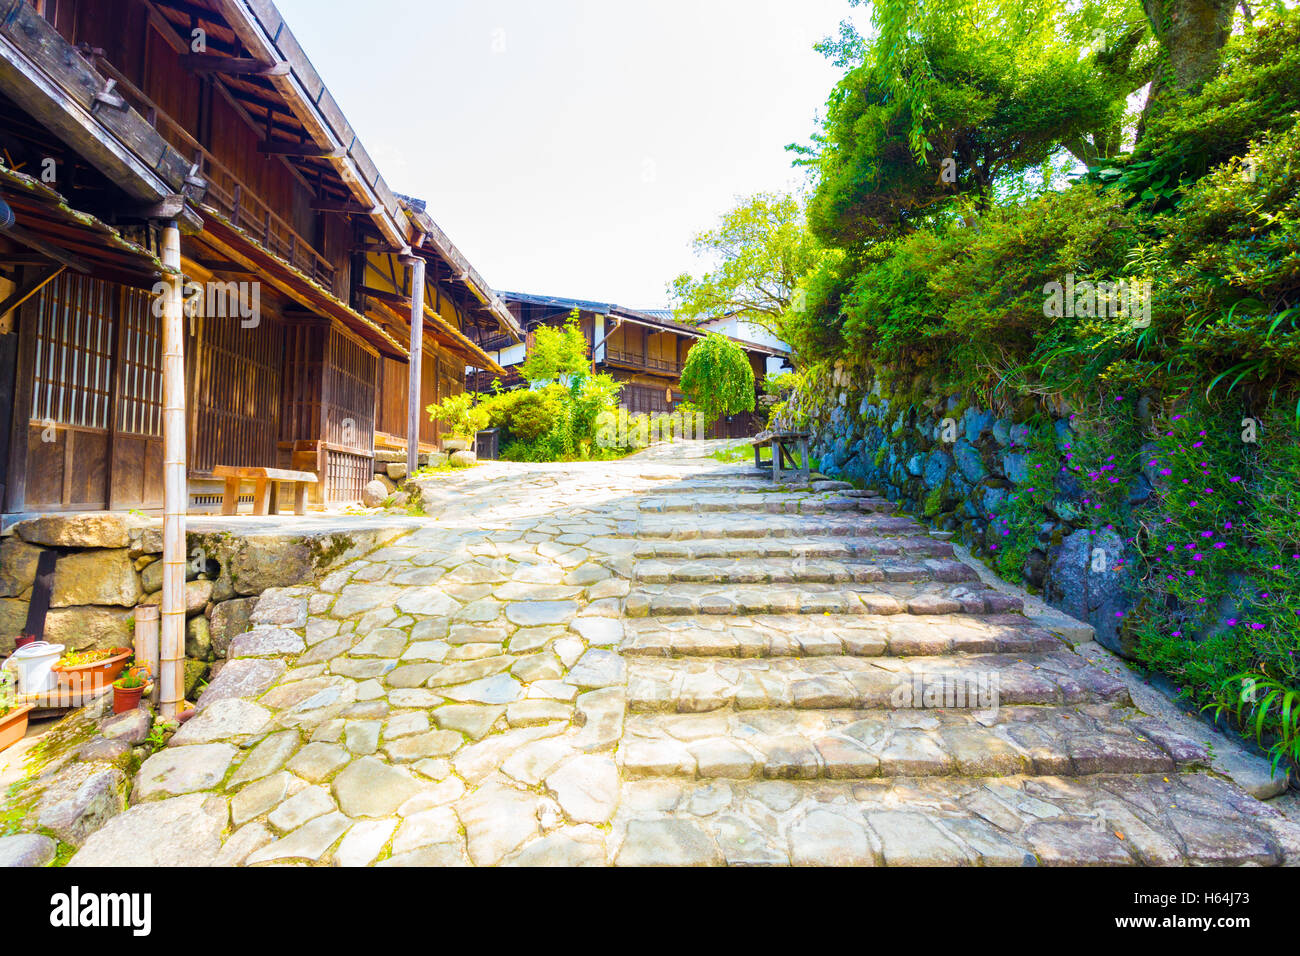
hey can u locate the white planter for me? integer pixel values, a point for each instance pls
(34, 663)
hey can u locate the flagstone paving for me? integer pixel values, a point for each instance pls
(666, 660)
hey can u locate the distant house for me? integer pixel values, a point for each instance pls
(644, 348)
(736, 326)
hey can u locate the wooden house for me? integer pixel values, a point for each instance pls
(122, 118)
(644, 349)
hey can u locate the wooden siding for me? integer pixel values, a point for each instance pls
(441, 376)
(235, 398)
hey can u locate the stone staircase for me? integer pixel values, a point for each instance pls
(814, 679)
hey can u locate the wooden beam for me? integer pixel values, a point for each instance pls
(229, 268)
(305, 150)
(29, 289)
(350, 207)
(392, 298)
(58, 255)
(231, 66)
(171, 207)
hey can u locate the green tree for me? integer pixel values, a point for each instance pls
(955, 101)
(557, 353)
(761, 248)
(718, 379)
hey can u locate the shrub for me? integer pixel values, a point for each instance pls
(462, 413)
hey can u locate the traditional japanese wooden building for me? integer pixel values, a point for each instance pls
(118, 117)
(644, 349)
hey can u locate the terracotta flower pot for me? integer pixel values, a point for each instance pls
(13, 726)
(93, 676)
(126, 699)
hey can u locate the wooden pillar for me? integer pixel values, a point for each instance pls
(413, 410)
(171, 676)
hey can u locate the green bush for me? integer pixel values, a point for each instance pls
(526, 415)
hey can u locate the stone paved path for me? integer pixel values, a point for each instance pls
(666, 660)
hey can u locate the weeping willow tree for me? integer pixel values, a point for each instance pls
(718, 379)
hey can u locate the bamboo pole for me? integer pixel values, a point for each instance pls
(146, 642)
(416, 265)
(171, 676)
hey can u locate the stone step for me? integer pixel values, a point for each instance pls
(768, 502)
(795, 635)
(699, 685)
(742, 525)
(730, 485)
(808, 547)
(1103, 820)
(800, 569)
(851, 744)
(735, 484)
(884, 598)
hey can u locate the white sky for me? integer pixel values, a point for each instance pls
(574, 147)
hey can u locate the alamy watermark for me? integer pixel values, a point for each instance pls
(980, 691)
(1124, 298)
(100, 910)
(625, 430)
(217, 300)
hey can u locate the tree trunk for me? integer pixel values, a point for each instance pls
(1191, 35)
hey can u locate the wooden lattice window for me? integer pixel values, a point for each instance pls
(237, 403)
(349, 398)
(345, 476)
(72, 380)
(139, 409)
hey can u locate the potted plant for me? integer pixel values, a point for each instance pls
(128, 689)
(90, 670)
(13, 715)
(464, 418)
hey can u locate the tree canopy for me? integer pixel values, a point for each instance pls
(954, 101)
(761, 248)
(557, 353)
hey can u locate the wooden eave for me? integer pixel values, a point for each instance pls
(441, 331)
(254, 29)
(428, 238)
(48, 78)
(96, 247)
(233, 245)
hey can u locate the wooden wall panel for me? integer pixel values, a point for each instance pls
(45, 466)
(237, 394)
(304, 375)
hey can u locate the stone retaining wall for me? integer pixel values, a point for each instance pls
(958, 465)
(110, 563)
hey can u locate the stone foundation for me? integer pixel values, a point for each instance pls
(110, 563)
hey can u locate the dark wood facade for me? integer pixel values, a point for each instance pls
(110, 123)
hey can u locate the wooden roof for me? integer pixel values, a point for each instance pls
(75, 239)
(255, 56)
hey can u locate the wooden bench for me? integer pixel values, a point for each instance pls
(266, 487)
(783, 445)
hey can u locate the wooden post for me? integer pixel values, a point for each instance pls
(146, 642)
(416, 265)
(171, 672)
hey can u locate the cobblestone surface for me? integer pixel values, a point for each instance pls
(666, 661)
